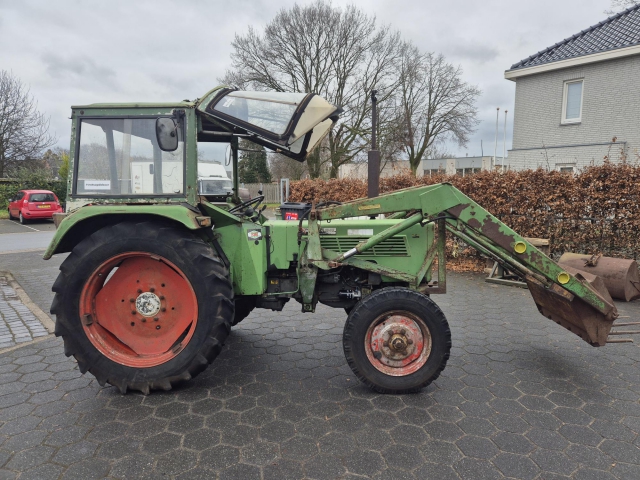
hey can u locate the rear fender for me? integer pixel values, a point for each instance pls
(88, 219)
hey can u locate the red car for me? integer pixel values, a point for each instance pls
(31, 204)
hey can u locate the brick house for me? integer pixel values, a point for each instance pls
(574, 97)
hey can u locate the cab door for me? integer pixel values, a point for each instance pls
(292, 124)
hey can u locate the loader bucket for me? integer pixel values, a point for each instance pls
(572, 312)
(620, 276)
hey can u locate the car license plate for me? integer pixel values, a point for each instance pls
(44, 206)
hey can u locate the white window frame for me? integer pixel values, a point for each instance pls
(565, 90)
(572, 166)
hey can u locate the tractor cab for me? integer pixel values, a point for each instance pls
(148, 153)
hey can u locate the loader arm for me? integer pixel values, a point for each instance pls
(566, 297)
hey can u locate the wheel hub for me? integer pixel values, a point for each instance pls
(398, 344)
(148, 304)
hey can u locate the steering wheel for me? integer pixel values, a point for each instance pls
(256, 200)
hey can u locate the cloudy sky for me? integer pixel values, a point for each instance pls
(73, 52)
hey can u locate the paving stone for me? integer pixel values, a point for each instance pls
(477, 447)
(219, 457)
(323, 466)
(364, 462)
(516, 466)
(29, 458)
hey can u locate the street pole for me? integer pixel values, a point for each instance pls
(504, 143)
(373, 188)
(495, 147)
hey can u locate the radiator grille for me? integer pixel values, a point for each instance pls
(391, 247)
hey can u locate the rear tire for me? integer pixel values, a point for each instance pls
(11, 217)
(396, 340)
(198, 341)
(23, 220)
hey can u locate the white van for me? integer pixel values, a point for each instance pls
(213, 180)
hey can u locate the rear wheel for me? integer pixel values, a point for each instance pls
(396, 340)
(143, 306)
(11, 217)
(21, 218)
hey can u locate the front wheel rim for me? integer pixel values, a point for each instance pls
(138, 309)
(398, 343)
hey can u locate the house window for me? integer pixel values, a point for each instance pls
(566, 168)
(572, 102)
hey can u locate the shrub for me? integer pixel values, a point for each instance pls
(595, 211)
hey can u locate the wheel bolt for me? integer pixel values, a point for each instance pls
(144, 320)
(157, 327)
(164, 309)
(139, 291)
(132, 300)
(133, 323)
(161, 297)
(410, 342)
(133, 312)
(403, 331)
(152, 289)
(155, 319)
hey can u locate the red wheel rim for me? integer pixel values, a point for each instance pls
(398, 343)
(138, 309)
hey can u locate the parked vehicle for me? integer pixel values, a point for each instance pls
(214, 183)
(33, 204)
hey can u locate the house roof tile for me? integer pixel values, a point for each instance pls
(618, 31)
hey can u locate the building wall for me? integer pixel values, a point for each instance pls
(361, 169)
(610, 108)
(458, 165)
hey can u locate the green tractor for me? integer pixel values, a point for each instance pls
(159, 272)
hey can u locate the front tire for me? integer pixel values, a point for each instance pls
(143, 306)
(396, 340)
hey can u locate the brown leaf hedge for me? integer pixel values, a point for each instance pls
(594, 211)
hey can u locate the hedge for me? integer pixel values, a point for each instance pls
(594, 211)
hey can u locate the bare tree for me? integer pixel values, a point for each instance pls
(619, 5)
(435, 104)
(285, 167)
(341, 54)
(24, 131)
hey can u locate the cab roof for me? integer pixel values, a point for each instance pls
(182, 104)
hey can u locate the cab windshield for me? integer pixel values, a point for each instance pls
(121, 157)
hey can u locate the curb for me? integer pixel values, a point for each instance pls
(24, 298)
(44, 319)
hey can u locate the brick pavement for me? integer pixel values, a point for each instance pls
(17, 323)
(520, 398)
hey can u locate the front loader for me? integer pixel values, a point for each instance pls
(158, 272)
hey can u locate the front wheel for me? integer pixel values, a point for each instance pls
(396, 340)
(143, 305)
